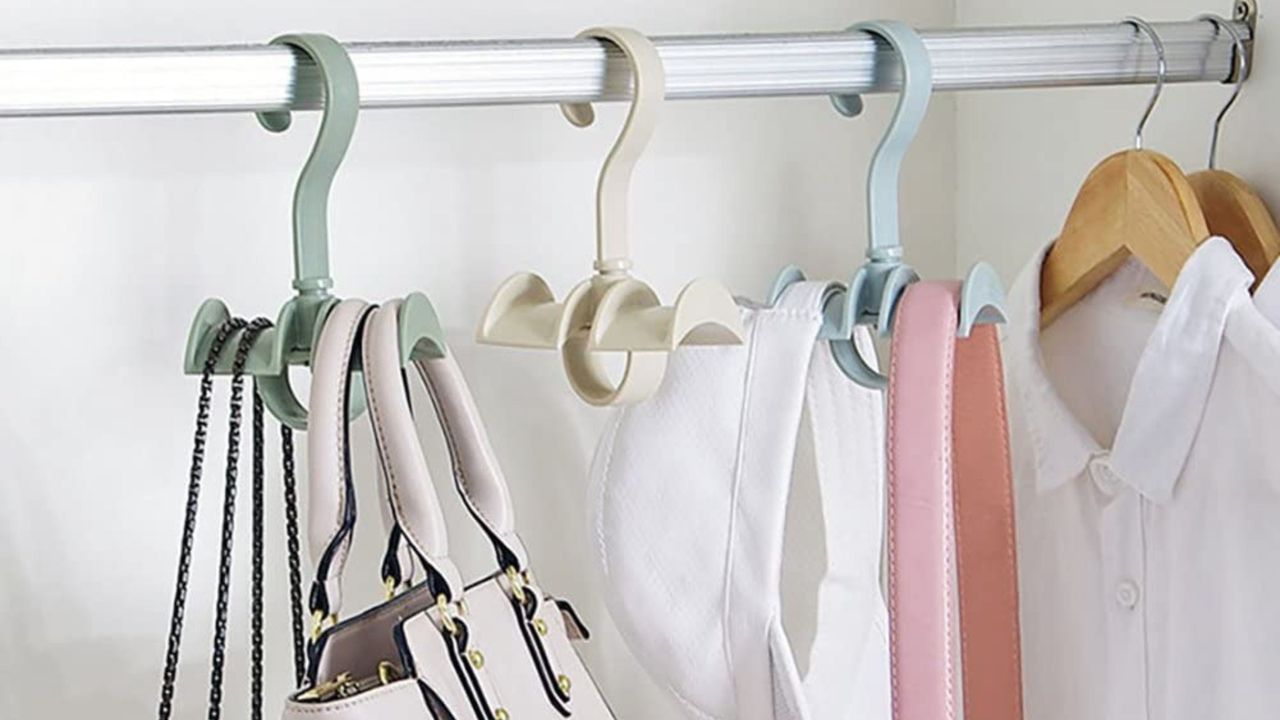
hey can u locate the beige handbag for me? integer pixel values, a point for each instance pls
(496, 649)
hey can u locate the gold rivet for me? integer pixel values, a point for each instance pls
(442, 607)
(477, 659)
(540, 625)
(501, 714)
(563, 682)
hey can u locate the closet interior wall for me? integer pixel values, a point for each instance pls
(1021, 156)
(116, 228)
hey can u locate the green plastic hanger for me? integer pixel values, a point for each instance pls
(299, 322)
(873, 294)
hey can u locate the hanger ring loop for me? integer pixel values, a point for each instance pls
(589, 310)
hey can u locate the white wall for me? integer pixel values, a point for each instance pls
(115, 229)
(1022, 155)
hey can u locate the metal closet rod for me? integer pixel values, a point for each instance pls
(243, 78)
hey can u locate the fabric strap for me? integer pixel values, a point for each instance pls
(847, 667)
(785, 376)
(950, 513)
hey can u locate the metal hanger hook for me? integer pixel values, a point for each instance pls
(1162, 71)
(1242, 71)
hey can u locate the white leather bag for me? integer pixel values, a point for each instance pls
(496, 649)
(689, 512)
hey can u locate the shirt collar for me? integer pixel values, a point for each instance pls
(1170, 384)
(1267, 296)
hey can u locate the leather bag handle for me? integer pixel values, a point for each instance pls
(950, 511)
(331, 503)
(478, 478)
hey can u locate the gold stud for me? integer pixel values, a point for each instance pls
(477, 659)
(501, 714)
(541, 626)
(563, 682)
(517, 585)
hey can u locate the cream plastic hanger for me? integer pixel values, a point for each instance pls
(611, 311)
(1232, 208)
(1135, 202)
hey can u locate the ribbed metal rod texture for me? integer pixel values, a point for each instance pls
(494, 72)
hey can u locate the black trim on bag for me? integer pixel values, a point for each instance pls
(566, 608)
(457, 645)
(434, 703)
(538, 652)
(391, 569)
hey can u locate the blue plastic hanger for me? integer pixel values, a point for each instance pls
(873, 294)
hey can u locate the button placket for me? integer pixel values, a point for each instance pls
(1123, 552)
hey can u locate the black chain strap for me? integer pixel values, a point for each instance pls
(229, 517)
(295, 557)
(224, 334)
(259, 527)
(189, 524)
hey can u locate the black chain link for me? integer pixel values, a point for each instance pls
(228, 516)
(259, 527)
(189, 524)
(168, 684)
(295, 556)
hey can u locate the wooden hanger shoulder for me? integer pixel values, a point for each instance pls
(1135, 202)
(1235, 211)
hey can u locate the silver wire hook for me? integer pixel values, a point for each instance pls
(1162, 70)
(1242, 71)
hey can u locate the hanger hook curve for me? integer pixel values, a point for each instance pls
(874, 291)
(886, 164)
(1162, 71)
(1242, 71)
(613, 252)
(337, 126)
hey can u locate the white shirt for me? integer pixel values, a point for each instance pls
(1146, 446)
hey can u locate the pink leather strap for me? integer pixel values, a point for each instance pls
(986, 552)
(921, 546)
(950, 514)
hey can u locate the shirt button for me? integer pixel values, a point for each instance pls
(1127, 595)
(1104, 477)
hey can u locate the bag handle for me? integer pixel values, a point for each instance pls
(353, 330)
(986, 548)
(477, 475)
(950, 509)
(331, 501)
(409, 494)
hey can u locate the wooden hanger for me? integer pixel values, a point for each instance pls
(1134, 203)
(1232, 208)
